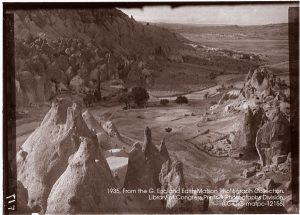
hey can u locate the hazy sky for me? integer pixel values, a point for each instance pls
(233, 14)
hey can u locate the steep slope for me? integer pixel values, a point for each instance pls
(109, 28)
(63, 49)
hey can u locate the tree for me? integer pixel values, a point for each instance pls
(124, 97)
(181, 100)
(139, 95)
(164, 102)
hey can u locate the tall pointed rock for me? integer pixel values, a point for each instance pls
(83, 187)
(163, 150)
(44, 155)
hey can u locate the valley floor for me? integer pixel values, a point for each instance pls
(182, 126)
(201, 169)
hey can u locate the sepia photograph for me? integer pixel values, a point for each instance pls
(151, 107)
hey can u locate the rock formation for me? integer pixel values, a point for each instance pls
(273, 138)
(117, 160)
(233, 94)
(44, 155)
(171, 178)
(139, 175)
(163, 150)
(22, 195)
(245, 138)
(83, 187)
(259, 83)
(91, 122)
(153, 156)
(111, 129)
(95, 126)
(115, 138)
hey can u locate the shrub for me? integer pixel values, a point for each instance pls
(139, 95)
(181, 100)
(164, 102)
(212, 75)
(206, 95)
(213, 103)
(124, 97)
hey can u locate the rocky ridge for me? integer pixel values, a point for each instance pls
(65, 169)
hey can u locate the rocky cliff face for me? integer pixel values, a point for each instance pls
(261, 84)
(273, 138)
(244, 141)
(106, 27)
(265, 127)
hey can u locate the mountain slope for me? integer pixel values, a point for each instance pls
(109, 28)
(64, 49)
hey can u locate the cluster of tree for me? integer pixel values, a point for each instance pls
(181, 100)
(138, 95)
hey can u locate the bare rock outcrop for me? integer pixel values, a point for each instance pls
(116, 140)
(153, 156)
(117, 160)
(44, 155)
(111, 129)
(171, 178)
(259, 82)
(91, 122)
(139, 175)
(273, 138)
(139, 172)
(233, 94)
(22, 195)
(95, 126)
(163, 150)
(244, 140)
(82, 188)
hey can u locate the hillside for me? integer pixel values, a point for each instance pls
(88, 51)
(271, 31)
(106, 28)
(61, 50)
